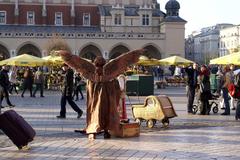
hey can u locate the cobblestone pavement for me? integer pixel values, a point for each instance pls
(188, 136)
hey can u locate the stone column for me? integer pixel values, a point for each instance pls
(73, 13)
(105, 55)
(44, 53)
(12, 53)
(16, 13)
(44, 13)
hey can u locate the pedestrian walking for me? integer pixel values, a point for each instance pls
(220, 80)
(27, 81)
(5, 83)
(78, 83)
(1, 95)
(160, 73)
(13, 80)
(67, 89)
(39, 82)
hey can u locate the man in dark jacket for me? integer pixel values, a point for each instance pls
(192, 74)
(67, 90)
(5, 83)
(39, 82)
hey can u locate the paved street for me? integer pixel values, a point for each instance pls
(188, 136)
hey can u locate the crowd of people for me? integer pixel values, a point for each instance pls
(20, 79)
(200, 85)
(199, 82)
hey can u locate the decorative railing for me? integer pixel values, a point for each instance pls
(70, 35)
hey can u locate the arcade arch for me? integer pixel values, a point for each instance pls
(90, 52)
(4, 53)
(117, 51)
(29, 49)
(152, 52)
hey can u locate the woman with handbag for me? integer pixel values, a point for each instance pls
(205, 90)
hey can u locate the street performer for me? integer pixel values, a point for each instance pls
(103, 91)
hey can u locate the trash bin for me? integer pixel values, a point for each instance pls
(141, 85)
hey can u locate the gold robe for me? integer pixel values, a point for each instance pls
(102, 102)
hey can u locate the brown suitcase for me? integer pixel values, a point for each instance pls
(131, 129)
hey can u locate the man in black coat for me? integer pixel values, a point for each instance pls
(5, 83)
(67, 90)
(192, 74)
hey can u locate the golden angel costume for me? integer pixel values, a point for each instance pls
(103, 91)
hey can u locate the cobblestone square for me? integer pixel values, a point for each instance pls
(188, 136)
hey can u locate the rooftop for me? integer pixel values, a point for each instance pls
(129, 10)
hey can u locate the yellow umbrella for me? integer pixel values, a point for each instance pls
(145, 61)
(233, 58)
(175, 60)
(54, 60)
(24, 60)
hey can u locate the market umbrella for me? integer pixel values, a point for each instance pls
(24, 60)
(54, 60)
(175, 60)
(145, 61)
(233, 58)
(220, 60)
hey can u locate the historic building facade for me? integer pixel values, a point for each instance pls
(229, 40)
(203, 46)
(91, 27)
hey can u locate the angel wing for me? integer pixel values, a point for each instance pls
(86, 68)
(118, 65)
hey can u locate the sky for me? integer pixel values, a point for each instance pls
(205, 13)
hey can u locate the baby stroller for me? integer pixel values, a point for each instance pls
(213, 105)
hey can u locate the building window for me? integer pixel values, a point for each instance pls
(86, 19)
(3, 17)
(117, 19)
(30, 17)
(145, 19)
(58, 18)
